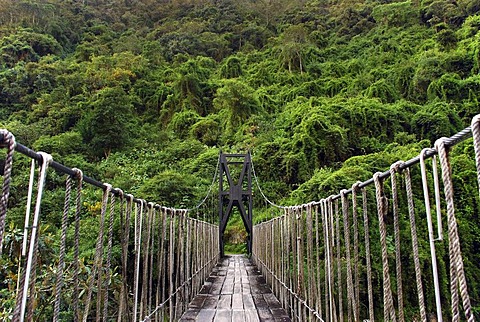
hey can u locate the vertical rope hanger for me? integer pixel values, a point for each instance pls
(388, 310)
(152, 256)
(339, 264)
(371, 312)
(125, 242)
(145, 245)
(27, 279)
(138, 248)
(63, 241)
(8, 139)
(98, 257)
(416, 257)
(109, 256)
(76, 269)
(476, 145)
(431, 238)
(346, 231)
(457, 279)
(356, 285)
(398, 263)
(317, 257)
(330, 269)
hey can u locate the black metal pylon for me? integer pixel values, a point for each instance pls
(239, 194)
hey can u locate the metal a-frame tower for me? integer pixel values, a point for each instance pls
(239, 194)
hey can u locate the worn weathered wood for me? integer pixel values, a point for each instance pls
(235, 291)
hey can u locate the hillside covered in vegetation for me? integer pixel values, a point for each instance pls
(143, 94)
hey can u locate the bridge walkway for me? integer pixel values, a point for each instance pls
(235, 291)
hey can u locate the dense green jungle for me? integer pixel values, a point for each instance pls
(144, 94)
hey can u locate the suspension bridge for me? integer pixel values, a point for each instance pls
(342, 258)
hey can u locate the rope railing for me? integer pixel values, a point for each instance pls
(164, 254)
(334, 260)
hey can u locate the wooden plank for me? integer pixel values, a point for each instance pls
(238, 316)
(251, 316)
(190, 314)
(223, 315)
(237, 301)
(210, 302)
(248, 303)
(265, 314)
(197, 302)
(205, 315)
(225, 302)
(236, 292)
(272, 301)
(237, 288)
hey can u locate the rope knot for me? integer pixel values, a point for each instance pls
(440, 146)
(108, 187)
(120, 193)
(356, 186)
(396, 167)
(476, 120)
(7, 138)
(46, 158)
(78, 174)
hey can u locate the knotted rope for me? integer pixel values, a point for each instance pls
(457, 274)
(9, 140)
(388, 310)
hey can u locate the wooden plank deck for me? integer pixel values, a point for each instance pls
(235, 291)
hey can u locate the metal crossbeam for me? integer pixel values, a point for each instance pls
(235, 195)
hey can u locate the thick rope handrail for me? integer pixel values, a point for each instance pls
(6, 138)
(185, 284)
(429, 153)
(295, 237)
